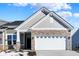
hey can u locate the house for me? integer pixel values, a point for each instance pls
(75, 40)
(2, 22)
(44, 30)
(8, 34)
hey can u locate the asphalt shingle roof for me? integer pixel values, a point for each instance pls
(15, 23)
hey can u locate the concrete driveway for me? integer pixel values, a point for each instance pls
(56, 53)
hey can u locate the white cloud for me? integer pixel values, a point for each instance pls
(54, 6)
(65, 14)
(19, 4)
(51, 6)
(66, 6)
(76, 15)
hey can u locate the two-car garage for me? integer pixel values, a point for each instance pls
(50, 43)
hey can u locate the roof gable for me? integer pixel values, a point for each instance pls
(32, 20)
(48, 22)
(61, 20)
(39, 15)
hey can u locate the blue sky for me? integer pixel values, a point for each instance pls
(21, 11)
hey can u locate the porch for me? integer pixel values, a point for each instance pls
(24, 41)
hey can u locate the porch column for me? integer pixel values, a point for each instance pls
(68, 43)
(32, 41)
(3, 41)
(33, 44)
(18, 41)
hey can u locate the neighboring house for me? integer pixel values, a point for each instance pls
(75, 40)
(44, 30)
(8, 34)
(2, 22)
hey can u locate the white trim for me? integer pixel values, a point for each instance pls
(3, 40)
(22, 30)
(18, 37)
(61, 19)
(6, 39)
(30, 18)
(49, 29)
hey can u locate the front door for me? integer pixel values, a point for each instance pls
(25, 40)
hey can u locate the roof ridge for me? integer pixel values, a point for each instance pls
(44, 9)
(62, 19)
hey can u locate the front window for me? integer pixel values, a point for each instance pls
(11, 39)
(14, 39)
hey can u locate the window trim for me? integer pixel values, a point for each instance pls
(12, 36)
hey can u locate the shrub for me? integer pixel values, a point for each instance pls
(31, 53)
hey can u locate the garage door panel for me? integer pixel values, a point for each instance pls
(49, 43)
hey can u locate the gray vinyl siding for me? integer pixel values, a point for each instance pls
(10, 31)
(46, 23)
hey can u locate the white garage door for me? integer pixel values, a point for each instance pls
(50, 43)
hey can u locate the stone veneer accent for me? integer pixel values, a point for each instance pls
(51, 32)
(1, 47)
(33, 44)
(5, 47)
(17, 46)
